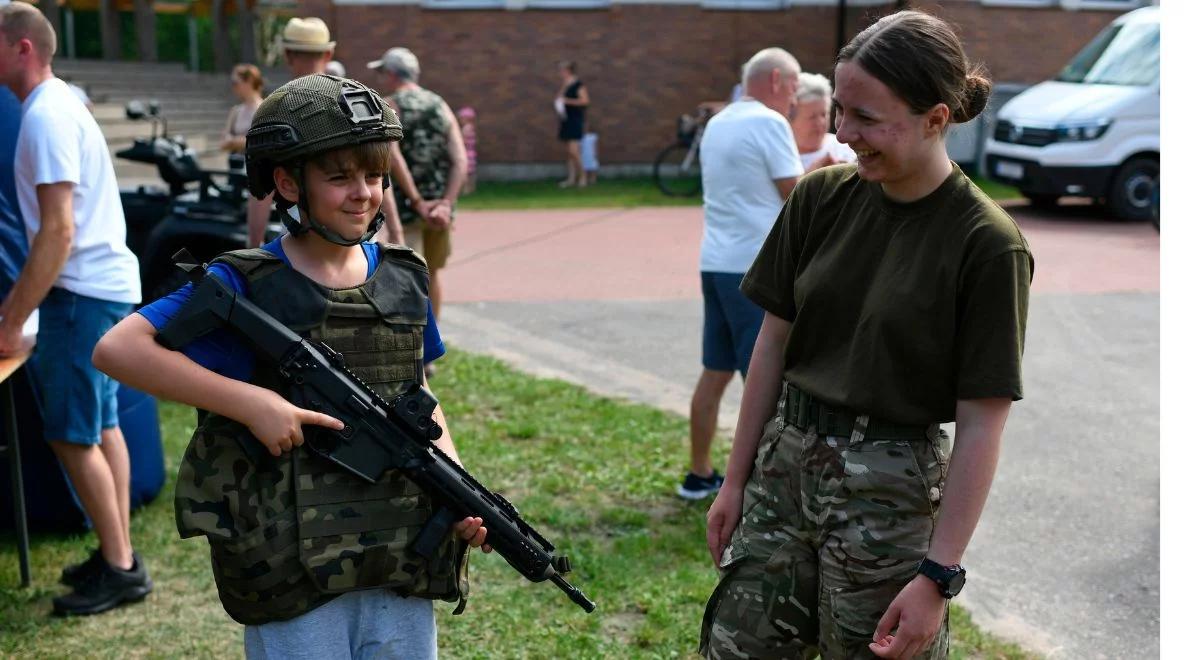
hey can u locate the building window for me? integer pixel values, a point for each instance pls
(567, 4)
(1018, 3)
(743, 4)
(1117, 5)
(515, 4)
(1120, 5)
(463, 4)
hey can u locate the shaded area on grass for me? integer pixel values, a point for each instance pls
(180, 618)
(595, 475)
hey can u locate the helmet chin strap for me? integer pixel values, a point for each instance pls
(292, 219)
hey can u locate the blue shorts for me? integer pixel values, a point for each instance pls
(587, 153)
(371, 623)
(78, 400)
(731, 323)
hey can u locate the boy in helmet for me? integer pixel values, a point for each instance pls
(314, 561)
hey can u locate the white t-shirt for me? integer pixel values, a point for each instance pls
(829, 145)
(745, 148)
(61, 141)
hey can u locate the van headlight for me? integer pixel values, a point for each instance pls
(1084, 132)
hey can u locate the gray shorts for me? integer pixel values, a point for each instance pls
(360, 625)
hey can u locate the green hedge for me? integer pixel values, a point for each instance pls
(172, 32)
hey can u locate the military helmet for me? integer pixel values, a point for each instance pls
(311, 115)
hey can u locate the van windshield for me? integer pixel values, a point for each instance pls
(1125, 54)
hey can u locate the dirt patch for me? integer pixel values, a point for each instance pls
(623, 626)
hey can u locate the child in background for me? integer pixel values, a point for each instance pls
(466, 123)
(591, 165)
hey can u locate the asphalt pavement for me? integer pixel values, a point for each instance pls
(1065, 559)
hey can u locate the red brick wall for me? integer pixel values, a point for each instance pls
(646, 64)
(1018, 44)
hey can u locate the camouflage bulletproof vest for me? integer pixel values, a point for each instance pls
(426, 145)
(290, 533)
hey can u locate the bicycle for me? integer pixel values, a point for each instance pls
(677, 168)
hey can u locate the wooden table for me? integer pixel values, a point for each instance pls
(8, 414)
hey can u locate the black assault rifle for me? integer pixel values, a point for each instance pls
(378, 435)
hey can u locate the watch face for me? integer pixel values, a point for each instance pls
(956, 582)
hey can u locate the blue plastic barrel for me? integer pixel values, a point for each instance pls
(49, 500)
(138, 415)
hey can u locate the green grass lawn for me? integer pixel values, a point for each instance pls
(595, 475)
(619, 193)
(997, 191)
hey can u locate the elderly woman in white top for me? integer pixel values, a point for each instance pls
(810, 125)
(247, 85)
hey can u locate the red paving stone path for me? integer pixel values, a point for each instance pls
(652, 254)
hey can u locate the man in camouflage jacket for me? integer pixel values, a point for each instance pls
(434, 150)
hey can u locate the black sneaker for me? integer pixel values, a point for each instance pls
(697, 488)
(75, 574)
(106, 589)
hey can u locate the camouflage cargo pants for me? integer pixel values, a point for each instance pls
(832, 528)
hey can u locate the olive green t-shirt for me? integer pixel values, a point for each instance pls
(898, 310)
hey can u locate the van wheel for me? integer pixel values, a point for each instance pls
(1041, 200)
(1154, 211)
(1131, 196)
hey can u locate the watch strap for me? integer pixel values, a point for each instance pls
(943, 576)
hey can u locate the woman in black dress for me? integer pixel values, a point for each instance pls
(572, 103)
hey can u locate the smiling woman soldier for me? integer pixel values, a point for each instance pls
(896, 294)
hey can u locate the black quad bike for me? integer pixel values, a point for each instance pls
(201, 210)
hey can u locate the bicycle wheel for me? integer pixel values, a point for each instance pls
(677, 171)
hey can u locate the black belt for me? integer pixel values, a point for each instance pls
(802, 410)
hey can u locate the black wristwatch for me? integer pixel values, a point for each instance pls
(949, 579)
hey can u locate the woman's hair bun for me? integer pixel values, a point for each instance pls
(974, 98)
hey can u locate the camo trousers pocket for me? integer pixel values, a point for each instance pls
(765, 603)
(759, 611)
(850, 615)
(710, 613)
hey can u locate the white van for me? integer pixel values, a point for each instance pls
(1093, 130)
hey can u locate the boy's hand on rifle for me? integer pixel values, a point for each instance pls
(279, 425)
(472, 531)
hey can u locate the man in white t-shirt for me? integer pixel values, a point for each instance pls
(749, 164)
(82, 279)
(810, 123)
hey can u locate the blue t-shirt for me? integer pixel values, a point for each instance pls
(13, 246)
(224, 352)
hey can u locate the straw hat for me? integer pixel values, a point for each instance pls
(307, 35)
